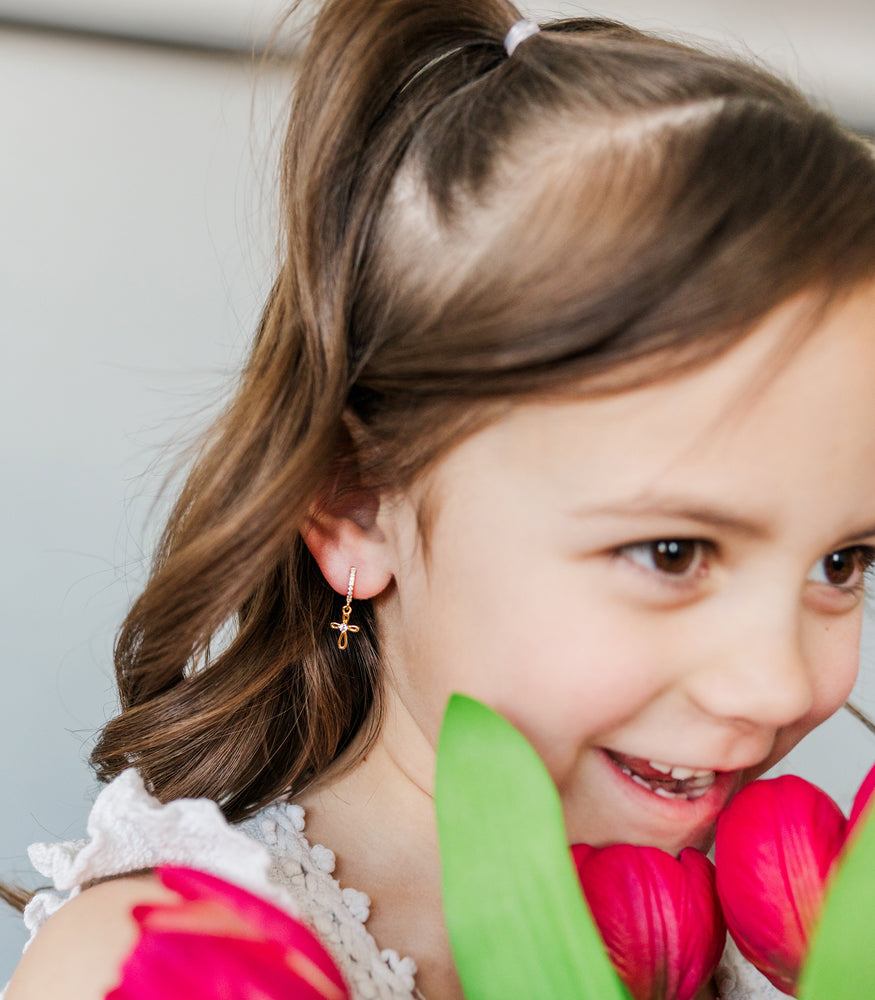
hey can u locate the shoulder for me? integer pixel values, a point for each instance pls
(80, 950)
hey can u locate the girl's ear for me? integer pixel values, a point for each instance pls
(344, 533)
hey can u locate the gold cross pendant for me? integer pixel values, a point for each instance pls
(344, 627)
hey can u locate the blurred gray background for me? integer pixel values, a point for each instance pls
(136, 208)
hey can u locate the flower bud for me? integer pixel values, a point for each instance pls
(219, 940)
(776, 845)
(658, 916)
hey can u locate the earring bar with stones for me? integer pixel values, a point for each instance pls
(343, 626)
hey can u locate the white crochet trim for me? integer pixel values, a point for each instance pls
(737, 979)
(338, 915)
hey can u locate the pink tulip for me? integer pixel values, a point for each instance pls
(864, 798)
(777, 842)
(220, 941)
(658, 916)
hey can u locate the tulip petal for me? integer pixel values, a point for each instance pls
(863, 799)
(658, 916)
(218, 940)
(702, 933)
(616, 887)
(203, 967)
(776, 844)
(268, 921)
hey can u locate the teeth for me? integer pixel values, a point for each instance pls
(681, 773)
(696, 793)
(706, 781)
(664, 768)
(695, 782)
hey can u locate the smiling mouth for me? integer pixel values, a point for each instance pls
(668, 781)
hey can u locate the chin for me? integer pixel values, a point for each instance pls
(670, 841)
(702, 840)
(641, 831)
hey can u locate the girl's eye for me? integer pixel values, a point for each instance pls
(677, 557)
(845, 568)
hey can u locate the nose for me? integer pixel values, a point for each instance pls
(759, 673)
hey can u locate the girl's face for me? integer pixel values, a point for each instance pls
(674, 574)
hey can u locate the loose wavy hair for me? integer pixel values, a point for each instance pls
(461, 230)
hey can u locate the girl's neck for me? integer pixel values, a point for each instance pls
(379, 821)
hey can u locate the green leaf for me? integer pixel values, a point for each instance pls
(517, 920)
(841, 963)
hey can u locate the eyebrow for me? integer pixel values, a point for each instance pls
(713, 516)
(666, 506)
(859, 537)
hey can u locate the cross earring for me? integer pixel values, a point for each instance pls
(343, 626)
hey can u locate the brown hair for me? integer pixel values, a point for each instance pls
(462, 229)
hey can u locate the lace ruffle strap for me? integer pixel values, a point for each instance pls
(129, 830)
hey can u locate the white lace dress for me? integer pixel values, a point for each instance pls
(128, 830)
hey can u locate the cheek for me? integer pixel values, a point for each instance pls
(560, 682)
(836, 659)
(565, 692)
(836, 665)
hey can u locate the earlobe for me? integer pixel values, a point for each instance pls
(347, 537)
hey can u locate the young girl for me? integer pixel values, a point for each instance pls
(562, 399)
